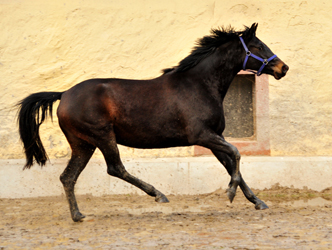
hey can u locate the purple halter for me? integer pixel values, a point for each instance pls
(248, 54)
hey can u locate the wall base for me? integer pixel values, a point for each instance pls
(187, 175)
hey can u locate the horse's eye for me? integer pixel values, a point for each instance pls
(258, 47)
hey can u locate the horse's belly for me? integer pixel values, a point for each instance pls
(150, 140)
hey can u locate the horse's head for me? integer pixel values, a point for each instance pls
(258, 57)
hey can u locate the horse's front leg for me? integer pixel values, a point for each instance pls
(230, 166)
(229, 156)
(227, 162)
(259, 204)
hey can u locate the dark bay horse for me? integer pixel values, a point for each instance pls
(182, 107)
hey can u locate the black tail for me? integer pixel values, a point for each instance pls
(33, 110)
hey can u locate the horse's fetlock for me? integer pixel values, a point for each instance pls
(237, 178)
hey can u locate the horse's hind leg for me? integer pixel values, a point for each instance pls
(81, 154)
(115, 168)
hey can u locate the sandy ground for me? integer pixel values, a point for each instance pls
(297, 219)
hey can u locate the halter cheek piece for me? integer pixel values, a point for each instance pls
(248, 54)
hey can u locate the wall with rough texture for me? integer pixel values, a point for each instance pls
(52, 45)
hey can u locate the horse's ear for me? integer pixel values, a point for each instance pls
(253, 28)
(251, 32)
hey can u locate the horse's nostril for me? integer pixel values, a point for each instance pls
(285, 68)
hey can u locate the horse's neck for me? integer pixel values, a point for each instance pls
(219, 71)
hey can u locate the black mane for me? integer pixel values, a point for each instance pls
(205, 47)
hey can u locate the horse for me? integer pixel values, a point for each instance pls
(181, 107)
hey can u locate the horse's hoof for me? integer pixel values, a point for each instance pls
(78, 217)
(261, 206)
(231, 194)
(161, 199)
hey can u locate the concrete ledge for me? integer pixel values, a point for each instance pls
(187, 175)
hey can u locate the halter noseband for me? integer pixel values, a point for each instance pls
(248, 54)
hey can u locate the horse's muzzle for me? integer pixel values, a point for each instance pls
(280, 70)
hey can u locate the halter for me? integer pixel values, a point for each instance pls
(248, 54)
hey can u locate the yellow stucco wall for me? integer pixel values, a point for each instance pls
(52, 45)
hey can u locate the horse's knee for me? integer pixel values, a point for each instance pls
(236, 153)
